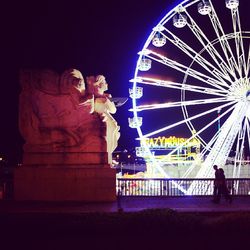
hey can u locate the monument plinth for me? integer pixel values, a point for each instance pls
(69, 135)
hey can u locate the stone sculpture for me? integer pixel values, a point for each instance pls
(105, 107)
(69, 135)
(58, 114)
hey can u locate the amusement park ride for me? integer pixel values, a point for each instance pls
(192, 79)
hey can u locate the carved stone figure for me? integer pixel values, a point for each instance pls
(104, 106)
(57, 113)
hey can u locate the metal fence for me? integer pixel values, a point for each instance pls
(178, 187)
(6, 189)
(2, 189)
(159, 187)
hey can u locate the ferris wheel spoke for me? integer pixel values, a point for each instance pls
(221, 149)
(248, 131)
(196, 57)
(183, 69)
(208, 146)
(223, 41)
(248, 62)
(237, 155)
(243, 136)
(238, 40)
(179, 104)
(211, 50)
(209, 84)
(199, 132)
(240, 150)
(188, 119)
(180, 86)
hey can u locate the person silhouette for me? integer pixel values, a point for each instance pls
(216, 183)
(222, 187)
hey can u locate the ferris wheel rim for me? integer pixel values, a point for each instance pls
(184, 107)
(163, 21)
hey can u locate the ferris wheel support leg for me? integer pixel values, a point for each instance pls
(224, 143)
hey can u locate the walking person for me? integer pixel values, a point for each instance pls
(216, 183)
(222, 187)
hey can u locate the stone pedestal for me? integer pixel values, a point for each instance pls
(66, 159)
(65, 183)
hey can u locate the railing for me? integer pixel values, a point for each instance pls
(159, 187)
(177, 187)
(2, 189)
(6, 189)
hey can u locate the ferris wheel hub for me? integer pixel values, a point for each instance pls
(240, 89)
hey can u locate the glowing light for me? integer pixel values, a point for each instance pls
(232, 4)
(135, 122)
(204, 8)
(136, 92)
(145, 64)
(159, 40)
(158, 28)
(225, 73)
(140, 151)
(115, 162)
(180, 20)
(145, 52)
(169, 142)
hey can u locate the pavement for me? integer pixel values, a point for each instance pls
(130, 204)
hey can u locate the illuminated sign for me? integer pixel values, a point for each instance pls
(163, 142)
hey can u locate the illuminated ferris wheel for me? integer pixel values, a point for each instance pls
(192, 80)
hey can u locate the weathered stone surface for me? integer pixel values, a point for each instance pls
(103, 106)
(57, 113)
(69, 135)
(82, 183)
(58, 158)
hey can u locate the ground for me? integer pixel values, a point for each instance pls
(60, 226)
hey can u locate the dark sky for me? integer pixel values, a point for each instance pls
(96, 37)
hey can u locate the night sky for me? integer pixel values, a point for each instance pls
(96, 37)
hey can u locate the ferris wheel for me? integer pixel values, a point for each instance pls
(192, 79)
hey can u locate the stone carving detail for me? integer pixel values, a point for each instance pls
(58, 114)
(103, 105)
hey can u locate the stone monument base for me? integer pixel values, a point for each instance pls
(90, 183)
